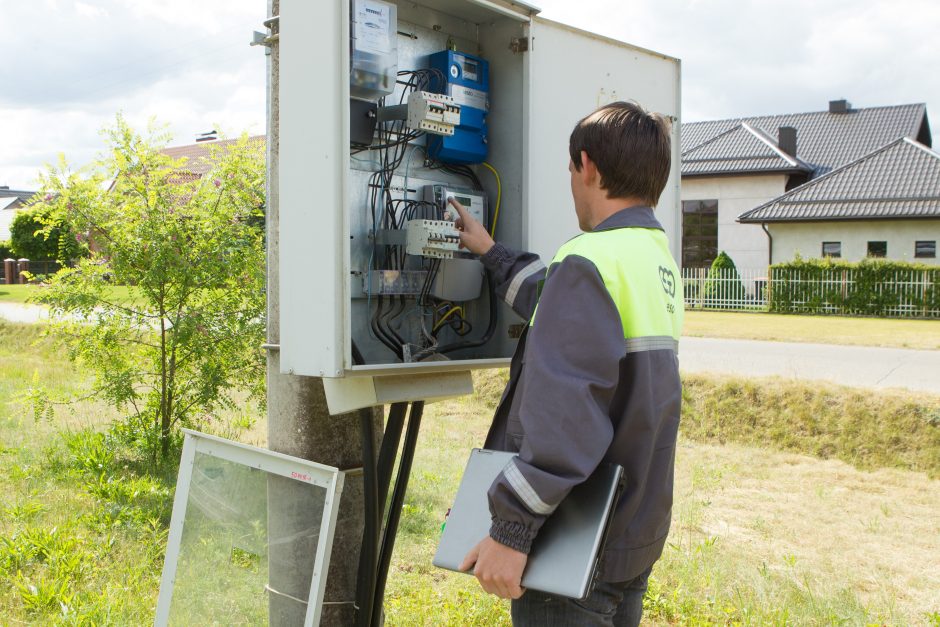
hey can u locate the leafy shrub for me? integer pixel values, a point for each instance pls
(873, 287)
(723, 283)
(41, 233)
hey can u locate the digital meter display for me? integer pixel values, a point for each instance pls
(470, 70)
(463, 200)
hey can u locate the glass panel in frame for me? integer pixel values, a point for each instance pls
(238, 511)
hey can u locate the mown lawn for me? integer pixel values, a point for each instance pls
(22, 293)
(795, 505)
(897, 333)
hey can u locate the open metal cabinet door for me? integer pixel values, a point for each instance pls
(313, 110)
(570, 73)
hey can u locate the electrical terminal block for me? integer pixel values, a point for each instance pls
(437, 114)
(438, 239)
(393, 282)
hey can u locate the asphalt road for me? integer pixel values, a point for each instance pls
(15, 312)
(860, 366)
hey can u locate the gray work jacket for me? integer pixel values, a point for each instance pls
(588, 385)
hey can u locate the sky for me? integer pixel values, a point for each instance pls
(68, 67)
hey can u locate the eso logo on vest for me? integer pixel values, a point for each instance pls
(669, 281)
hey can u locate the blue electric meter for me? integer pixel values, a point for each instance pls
(467, 80)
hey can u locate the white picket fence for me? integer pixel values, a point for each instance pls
(904, 294)
(744, 290)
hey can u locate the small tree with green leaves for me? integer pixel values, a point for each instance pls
(40, 233)
(723, 283)
(187, 335)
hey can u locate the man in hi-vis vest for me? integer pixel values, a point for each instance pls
(595, 377)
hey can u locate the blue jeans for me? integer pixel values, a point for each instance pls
(608, 605)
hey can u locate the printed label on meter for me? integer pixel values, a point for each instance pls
(468, 97)
(373, 21)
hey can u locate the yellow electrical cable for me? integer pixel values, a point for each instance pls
(499, 197)
(446, 316)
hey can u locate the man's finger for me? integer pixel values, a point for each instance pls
(461, 210)
(470, 559)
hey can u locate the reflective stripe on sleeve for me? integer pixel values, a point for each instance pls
(652, 343)
(520, 278)
(524, 491)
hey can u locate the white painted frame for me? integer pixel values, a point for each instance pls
(279, 464)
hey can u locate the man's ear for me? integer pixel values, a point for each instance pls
(589, 174)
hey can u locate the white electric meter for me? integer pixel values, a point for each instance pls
(373, 49)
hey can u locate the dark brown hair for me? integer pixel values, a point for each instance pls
(630, 147)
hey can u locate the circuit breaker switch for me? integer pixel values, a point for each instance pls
(432, 238)
(433, 113)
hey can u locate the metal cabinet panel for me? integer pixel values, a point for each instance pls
(314, 131)
(570, 73)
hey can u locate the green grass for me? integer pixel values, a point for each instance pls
(83, 521)
(784, 567)
(898, 333)
(23, 293)
(16, 293)
(769, 526)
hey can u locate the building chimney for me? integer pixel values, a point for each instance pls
(207, 137)
(839, 106)
(786, 140)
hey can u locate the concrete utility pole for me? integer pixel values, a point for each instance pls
(299, 424)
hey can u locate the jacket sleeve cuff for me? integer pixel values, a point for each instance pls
(512, 534)
(496, 256)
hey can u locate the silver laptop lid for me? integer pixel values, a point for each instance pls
(564, 557)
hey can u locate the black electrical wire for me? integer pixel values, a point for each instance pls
(376, 482)
(358, 359)
(395, 507)
(368, 555)
(390, 442)
(490, 329)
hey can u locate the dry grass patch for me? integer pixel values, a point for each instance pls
(800, 540)
(864, 428)
(896, 333)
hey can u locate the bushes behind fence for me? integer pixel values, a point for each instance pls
(723, 287)
(872, 287)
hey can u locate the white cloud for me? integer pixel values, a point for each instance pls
(70, 65)
(87, 10)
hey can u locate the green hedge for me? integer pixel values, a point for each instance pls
(873, 287)
(5, 251)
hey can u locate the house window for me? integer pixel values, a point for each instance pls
(878, 249)
(699, 233)
(925, 249)
(832, 249)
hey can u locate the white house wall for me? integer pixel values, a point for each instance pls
(746, 244)
(806, 238)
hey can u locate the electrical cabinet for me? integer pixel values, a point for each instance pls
(378, 323)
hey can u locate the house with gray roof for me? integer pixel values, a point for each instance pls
(11, 201)
(730, 167)
(885, 204)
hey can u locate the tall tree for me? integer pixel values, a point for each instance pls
(189, 331)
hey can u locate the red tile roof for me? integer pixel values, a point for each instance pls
(198, 155)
